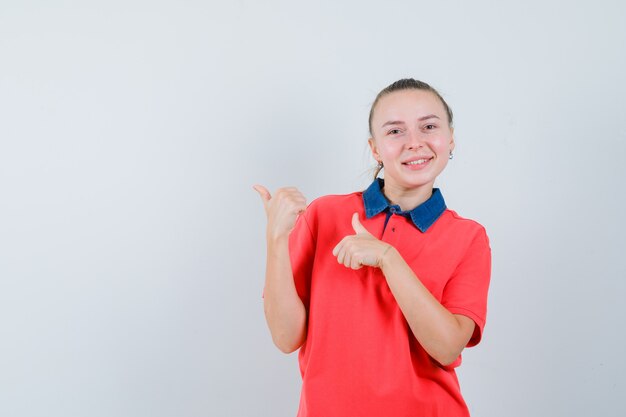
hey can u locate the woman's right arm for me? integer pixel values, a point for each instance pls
(284, 311)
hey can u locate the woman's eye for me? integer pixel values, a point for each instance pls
(430, 127)
(393, 132)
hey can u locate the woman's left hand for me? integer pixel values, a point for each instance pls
(360, 249)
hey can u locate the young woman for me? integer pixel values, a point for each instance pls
(382, 289)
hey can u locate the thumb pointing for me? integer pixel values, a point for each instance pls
(357, 226)
(264, 193)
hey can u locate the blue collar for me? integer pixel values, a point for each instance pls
(423, 216)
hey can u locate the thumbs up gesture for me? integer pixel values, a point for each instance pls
(282, 209)
(360, 249)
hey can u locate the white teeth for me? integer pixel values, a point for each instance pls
(419, 161)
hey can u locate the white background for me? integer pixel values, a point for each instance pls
(132, 244)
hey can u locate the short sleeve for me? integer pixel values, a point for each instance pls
(302, 254)
(466, 291)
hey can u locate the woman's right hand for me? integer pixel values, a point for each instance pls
(284, 311)
(282, 209)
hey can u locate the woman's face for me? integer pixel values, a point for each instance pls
(412, 138)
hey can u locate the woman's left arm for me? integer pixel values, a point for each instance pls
(441, 333)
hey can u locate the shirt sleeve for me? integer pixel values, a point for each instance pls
(466, 291)
(302, 255)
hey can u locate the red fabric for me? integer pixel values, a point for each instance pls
(360, 357)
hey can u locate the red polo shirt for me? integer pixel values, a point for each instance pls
(360, 358)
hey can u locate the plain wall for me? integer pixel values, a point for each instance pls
(132, 244)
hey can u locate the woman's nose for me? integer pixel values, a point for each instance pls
(414, 140)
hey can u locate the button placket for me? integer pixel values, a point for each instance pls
(392, 229)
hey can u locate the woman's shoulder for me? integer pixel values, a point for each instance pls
(336, 202)
(462, 224)
(333, 200)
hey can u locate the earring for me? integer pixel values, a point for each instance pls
(451, 155)
(380, 164)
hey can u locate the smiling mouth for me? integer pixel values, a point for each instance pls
(417, 162)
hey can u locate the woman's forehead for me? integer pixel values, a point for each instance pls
(411, 104)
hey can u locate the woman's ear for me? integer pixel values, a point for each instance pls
(372, 144)
(452, 143)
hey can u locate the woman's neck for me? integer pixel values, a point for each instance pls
(407, 199)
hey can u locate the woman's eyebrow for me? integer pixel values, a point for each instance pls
(421, 119)
(430, 116)
(392, 123)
